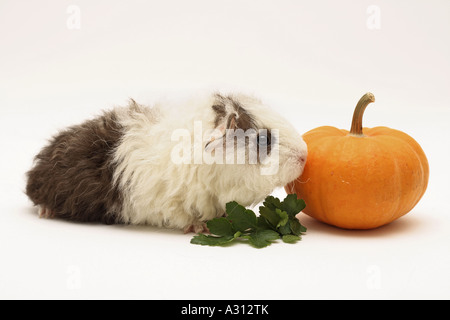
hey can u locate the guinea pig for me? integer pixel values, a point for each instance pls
(168, 165)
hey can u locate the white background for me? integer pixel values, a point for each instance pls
(312, 60)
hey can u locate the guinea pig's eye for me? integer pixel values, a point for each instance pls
(263, 140)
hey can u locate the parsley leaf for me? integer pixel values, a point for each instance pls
(262, 238)
(292, 205)
(207, 240)
(241, 218)
(220, 226)
(283, 217)
(277, 219)
(290, 238)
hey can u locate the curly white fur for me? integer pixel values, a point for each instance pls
(159, 192)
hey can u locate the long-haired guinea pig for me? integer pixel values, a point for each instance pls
(170, 166)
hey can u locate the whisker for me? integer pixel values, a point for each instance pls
(292, 188)
(298, 180)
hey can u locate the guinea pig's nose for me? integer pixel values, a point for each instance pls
(302, 156)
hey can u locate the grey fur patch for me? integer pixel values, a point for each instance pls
(72, 176)
(243, 119)
(239, 119)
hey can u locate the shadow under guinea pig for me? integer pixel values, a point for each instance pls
(32, 213)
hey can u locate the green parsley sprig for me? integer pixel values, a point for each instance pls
(277, 219)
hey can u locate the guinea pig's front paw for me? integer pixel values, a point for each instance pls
(196, 227)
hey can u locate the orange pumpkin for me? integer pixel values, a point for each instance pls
(361, 179)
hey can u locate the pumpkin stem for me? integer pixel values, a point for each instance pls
(356, 129)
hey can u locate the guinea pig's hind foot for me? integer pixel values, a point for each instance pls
(45, 212)
(196, 227)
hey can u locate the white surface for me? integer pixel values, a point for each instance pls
(311, 59)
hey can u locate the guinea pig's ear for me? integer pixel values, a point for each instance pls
(229, 114)
(224, 120)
